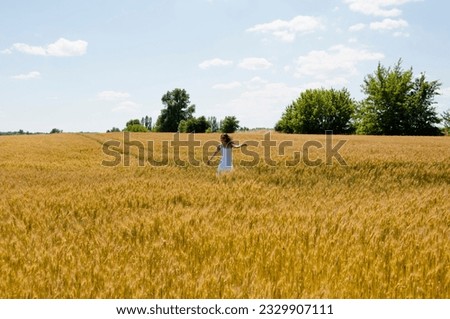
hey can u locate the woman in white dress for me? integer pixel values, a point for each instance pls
(226, 147)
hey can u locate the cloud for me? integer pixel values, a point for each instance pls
(64, 47)
(127, 107)
(112, 95)
(29, 76)
(389, 24)
(122, 104)
(227, 86)
(61, 48)
(254, 64)
(334, 64)
(380, 8)
(445, 92)
(401, 34)
(286, 31)
(255, 83)
(260, 105)
(6, 51)
(357, 27)
(216, 62)
(27, 49)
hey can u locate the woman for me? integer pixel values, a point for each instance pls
(226, 146)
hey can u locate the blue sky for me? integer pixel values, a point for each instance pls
(91, 65)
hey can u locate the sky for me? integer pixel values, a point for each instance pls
(90, 65)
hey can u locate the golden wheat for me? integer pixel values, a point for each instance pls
(378, 227)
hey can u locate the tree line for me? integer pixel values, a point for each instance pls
(395, 103)
(178, 116)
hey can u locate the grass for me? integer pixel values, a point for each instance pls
(378, 227)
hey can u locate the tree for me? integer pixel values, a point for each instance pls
(148, 122)
(114, 129)
(446, 121)
(229, 124)
(213, 124)
(135, 126)
(176, 108)
(397, 104)
(421, 115)
(55, 131)
(318, 110)
(287, 121)
(193, 125)
(182, 126)
(202, 125)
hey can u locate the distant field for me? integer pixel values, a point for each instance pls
(378, 227)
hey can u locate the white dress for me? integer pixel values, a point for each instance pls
(226, 163)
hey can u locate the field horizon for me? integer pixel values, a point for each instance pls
(377, 226)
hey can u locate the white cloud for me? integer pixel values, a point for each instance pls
(29, 76)
(6, 51)
(401, 34)
(255, 64)
(261, 105)
(357, 27)
(120, 99)
(127, 107)
(381, 8)
(227, 86)
(25, 48)
(216, 62)
(112, 95)
(62, 47)
(334, 64)
(255, 83)
(286, 31)
(333, 81)
(445, 92)
(389, 24)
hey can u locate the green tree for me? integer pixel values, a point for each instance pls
(446, 121)
(55, 131)
(318, 110)
(114, 129)
(148, 122)
(202, 125)
(182, 126)
(397, 104)
(229, 124)
(286, 123)
(135, 126)
(193, 125)
(176, 108)
(213, 124)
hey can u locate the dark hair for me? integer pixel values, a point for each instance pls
(227, 138)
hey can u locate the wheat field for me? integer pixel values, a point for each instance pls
(378, 227)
